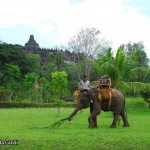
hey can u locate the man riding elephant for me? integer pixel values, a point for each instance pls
(83, 86)
(103, 98)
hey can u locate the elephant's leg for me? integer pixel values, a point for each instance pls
(93, 119)
(124, 118)
(113, 125)
(95, 111)
(118, 121)
(90, 120)
(95, 122)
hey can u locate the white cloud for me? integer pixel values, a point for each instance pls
(44, 28)
(118, 23)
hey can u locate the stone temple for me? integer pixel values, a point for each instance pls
(31, 44)
(33, 47)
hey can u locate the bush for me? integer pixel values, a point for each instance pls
(136, 104)
(28, 105)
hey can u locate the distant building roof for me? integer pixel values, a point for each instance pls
(31, 44)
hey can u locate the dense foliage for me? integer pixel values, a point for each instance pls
(23, 79)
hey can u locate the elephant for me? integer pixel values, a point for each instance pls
(90, 99)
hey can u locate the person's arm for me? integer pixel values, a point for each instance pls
(90, 85)
(80, 85)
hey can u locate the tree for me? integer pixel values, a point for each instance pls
(88, 43)
(121, 70)
(139, 70)
(59, 84)
(13, 54)
(139, 63)
(72, 76)
(115, 66)
(13, 84)
(55, 63)
(28, 85)
(136, 52)
(45, 90)
(34, 63)
(59, 87)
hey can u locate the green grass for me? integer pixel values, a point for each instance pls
(18, 124)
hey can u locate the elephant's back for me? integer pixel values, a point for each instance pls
(110, 93)
(118, 94)
(113, 103)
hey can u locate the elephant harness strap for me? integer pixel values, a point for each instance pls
(101, 97)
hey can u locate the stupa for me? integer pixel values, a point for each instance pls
(31, 44)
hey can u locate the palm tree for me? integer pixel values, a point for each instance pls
(116, 67)
(120, 70)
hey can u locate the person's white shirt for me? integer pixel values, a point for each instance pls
(84, 85)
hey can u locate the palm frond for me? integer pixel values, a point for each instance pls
(54, 125)
(58, 123)
(138, 87)
(123, 86)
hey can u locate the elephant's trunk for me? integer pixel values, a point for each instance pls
(78, 107)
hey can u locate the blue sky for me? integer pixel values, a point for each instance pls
(143, 6)
(53, 22)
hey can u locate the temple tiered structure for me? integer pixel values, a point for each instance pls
(33, 47)
(31, 44)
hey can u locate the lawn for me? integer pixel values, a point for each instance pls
(19, 124)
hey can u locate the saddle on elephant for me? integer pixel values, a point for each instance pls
(103, 89)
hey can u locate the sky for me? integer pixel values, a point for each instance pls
(53, 22)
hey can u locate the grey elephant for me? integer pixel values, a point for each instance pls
(91, 99)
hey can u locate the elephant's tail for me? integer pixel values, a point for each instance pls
(125, 108)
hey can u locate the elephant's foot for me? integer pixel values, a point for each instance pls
(95, 126)
(112, 126)
(91, 125)
(126, 125)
